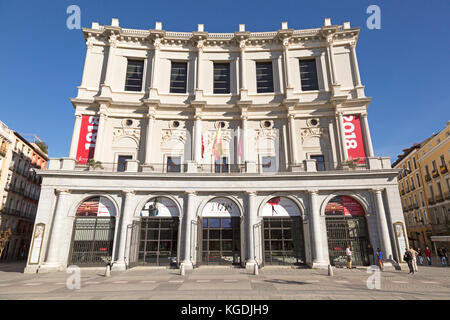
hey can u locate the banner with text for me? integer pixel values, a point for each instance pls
(88, 138)
(354, 143)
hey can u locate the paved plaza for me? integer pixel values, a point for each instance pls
(431, 282)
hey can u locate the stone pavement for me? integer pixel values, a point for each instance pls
(226, 283)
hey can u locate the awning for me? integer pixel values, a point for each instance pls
(440, 238)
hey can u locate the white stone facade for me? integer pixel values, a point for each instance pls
(288, 125)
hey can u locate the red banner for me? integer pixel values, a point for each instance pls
(354, 143)
(344, 205)
(87, 139)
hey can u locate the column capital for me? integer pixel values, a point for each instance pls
(364, 114)
(198, 117)
(313, 192)
(151, 116)
(352, 44)
(377, 190)
(250, 192)
(64, 192)
(112, 40)
(244, 117)
(128, 192)
(78, 116)
(339, 113)
(157, 43)
(190, 192)
(291, 116)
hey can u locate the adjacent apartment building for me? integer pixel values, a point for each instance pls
(19, 191)
(199, 148)
(424, 185)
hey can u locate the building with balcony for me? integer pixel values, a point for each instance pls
(19, 192)
(199, 148)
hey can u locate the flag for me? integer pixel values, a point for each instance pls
(217, 147)
(203, 147)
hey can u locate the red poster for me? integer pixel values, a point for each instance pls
(88, 137)
(352, 207)
(353, 138)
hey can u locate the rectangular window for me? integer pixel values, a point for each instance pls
(442, 160)
(121, 164)
(434, 165)
(418, 180)
(178, 76)
(264, 77)
(320, 162)
(173, 164)
(221, 78)
(268, 164)
(221, 166)
(308, 75)
(421, 199)
(135, 70)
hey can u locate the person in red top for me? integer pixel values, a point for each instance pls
(428, 255)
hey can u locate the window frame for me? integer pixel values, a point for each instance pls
(132, 59)
(267, 62)
(303, 59)
(185, 80)
(223, 63)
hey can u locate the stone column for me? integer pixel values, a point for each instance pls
(110, 64)
(125, 220)
(340, 123)
(198, 139)
(367, 138)
(251, 218)
(293, 139)
(320, 256)
(148, 139)
(98, 154)
(241, 65)
(286, 63)
(75, 136)
(198, 79)
(331, 60)
(244, 139)
(154, 74)
(383, 226)
(188, 217)
(355, 64)
(54, 260)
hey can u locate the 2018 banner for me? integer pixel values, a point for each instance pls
(354, 143)
(88, 138)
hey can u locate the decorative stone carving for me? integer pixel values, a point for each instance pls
(130, 132)
(90, 42)
(113, 40)
(168, 134)
(157, 43)
(265, 133)
(313, 132)
(211, 136)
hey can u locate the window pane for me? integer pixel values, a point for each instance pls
(320, 162)
(178, 76)
(221, 78)
(135, 71)
(308, 75)
(173, 164)
(268, 164)
(264, 77)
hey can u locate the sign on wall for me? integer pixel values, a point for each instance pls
(36, 245)
(97, 206)
(354, 142)
(280, 207)
(161, 207)
(87, 139)
(221, 207)
(400, 237)
(344, 205)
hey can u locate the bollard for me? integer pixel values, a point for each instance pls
(182, 270)
(330, 270)
(108, 271)
(255, 270)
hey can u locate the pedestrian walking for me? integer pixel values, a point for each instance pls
(408, 258)
(414, 258)
(380, 258)
(442, 256)
(348, 252)
(428, 255)
(420, 256)
(371, 255)
(444, 251)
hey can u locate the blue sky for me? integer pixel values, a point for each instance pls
(404, 65)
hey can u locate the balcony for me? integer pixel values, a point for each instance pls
(439, 198)
(431, 201)
(416, 206)
(435, 173)
(403, 192)
(443, 169)
(3, 151)
(407, 190)
(427, 177)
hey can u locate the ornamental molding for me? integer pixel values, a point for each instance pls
(211, 136)
(173, 134)
(265, 134)
(313, 132)
(126, 132)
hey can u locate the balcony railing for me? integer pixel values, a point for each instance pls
(435, 173)
(427, 177)
(439, 198)
(431, 201)
(443, 169)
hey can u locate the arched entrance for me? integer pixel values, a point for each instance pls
(219, 234)
(93, 233)
(346, 225)
(158, 233)
(283, 232)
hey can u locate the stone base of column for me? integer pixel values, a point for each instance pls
(31, 269)
(119, 266)
(320, 265)
(360, 92)
(187, 265)
(250, 265)
(50, 267)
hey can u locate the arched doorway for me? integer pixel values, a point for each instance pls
(93, 233)
(158, 233)
(283, 232)
(219, 234)
(346, 225)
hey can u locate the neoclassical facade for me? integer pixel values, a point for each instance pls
(198, 148)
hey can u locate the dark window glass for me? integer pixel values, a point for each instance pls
(221, 78)
(214, 223)
(308, 75)
(135, 70)
(264, 77)
(268, 164)
(121, 166)
(320, 162)
(173, 164)
(221, 166)
(178, 76)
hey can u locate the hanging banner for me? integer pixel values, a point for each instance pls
(87, 139)
(354, 142)
(96, 207)
(280, 207)
(401, 239)
(344, 205)
(36, 245)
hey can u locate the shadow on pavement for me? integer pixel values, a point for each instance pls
(12, 267)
